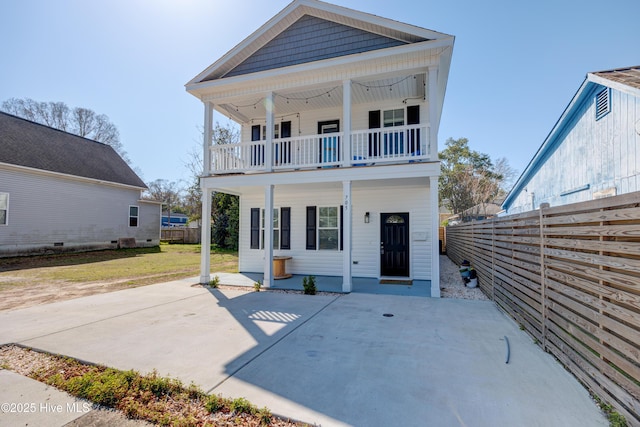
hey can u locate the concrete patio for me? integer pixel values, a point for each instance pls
(359, 359)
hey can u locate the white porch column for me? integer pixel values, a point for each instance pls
(205, 237)
(268, 149)
(268, 236)
(432, 89)
(435, 246)
(208, 138)
(346, 236)
(346, 123)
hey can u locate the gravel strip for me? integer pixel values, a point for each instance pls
(452, 285)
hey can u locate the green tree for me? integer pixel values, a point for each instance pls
(225, 208)
(467, 177)
(225, 225)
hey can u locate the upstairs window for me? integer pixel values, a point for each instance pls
(133, 216)
(603, 103)
(4, 208)
(393, 118)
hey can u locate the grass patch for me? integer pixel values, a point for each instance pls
(615, 418)
(150, 397)
(138, 266)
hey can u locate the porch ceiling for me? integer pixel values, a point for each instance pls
(337, 186)
(289, 103)
(370, 177)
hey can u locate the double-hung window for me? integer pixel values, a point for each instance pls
(328, 228)
(133, 216)
(4, 208)
(281, 228)
(393, 118)
(276, 229)
(324, 228)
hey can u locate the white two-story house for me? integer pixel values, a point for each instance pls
(337, 166)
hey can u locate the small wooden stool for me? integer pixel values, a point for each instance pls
(280, 267)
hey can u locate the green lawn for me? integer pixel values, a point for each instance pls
(127, 266)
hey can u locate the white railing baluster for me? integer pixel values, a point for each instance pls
(372, 146)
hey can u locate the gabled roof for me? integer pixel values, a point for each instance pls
(364, 31)
(32, 145)
(623, 79)
(626, 80)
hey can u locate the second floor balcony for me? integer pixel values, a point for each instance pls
(393, 145)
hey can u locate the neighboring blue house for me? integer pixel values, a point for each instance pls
(593, 150)
(177, 220)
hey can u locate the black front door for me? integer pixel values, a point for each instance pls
(394, 244)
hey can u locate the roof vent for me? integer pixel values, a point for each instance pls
(603, 104)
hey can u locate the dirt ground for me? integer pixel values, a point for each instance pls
(36, 292)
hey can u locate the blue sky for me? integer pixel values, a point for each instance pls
(515, 66)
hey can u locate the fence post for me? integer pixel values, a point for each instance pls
(543, 286)
(493, 260)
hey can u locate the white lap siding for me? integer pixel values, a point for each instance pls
(366, 236)
(45, 209)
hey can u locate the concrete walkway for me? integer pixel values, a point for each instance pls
(331, 360)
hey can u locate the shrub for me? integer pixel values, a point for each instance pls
(309, 285)
(159, 386)
(264, 415)
(214, 403)
(214, 282)
(257, 285)
(105, 388)
(242, 405)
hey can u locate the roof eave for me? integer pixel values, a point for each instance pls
(73, 177)
(535, 162)
(603, 81)
(199, 89)
(297, 9)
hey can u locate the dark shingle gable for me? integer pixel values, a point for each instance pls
(312, 39)
(29, 144)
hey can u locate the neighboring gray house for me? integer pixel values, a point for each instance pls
(62, 192)
(593, 150)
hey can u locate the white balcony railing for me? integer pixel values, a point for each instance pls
(368, 147)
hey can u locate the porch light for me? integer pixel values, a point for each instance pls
(366, 218)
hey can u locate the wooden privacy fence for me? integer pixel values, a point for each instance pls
(180, 235)
(570, 275)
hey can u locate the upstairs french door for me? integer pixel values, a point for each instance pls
(329, 144)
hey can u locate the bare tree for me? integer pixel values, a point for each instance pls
(193, 200)
(508, 174)
(166, 192)
(79, 121)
